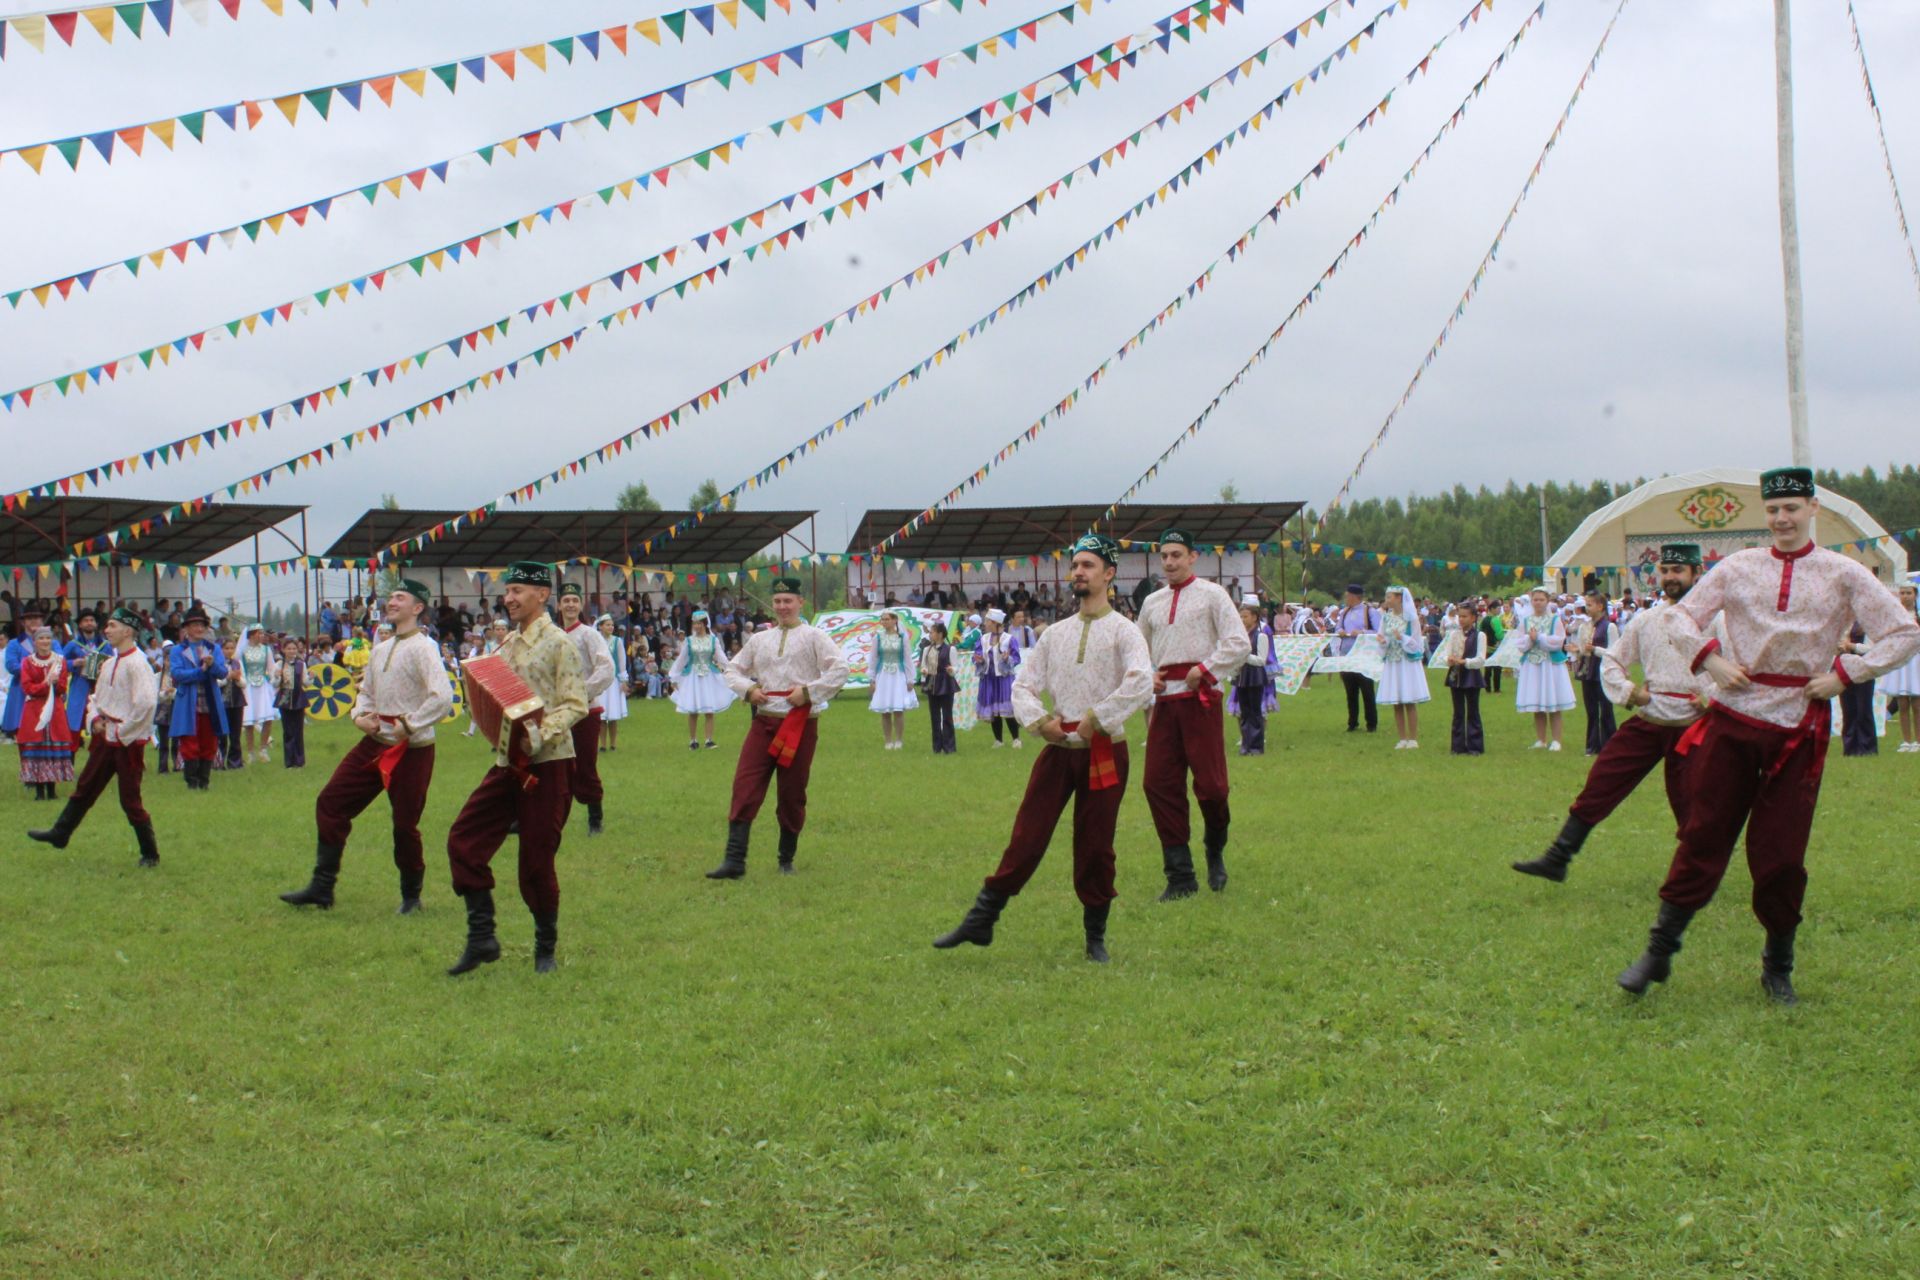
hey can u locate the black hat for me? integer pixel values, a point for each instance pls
(1099, 544)
(1355, 589)
(126, 617)
(196, 614)
(786, 586)
(1786, 482)
(1687, 553)
(418, 590)
(529, 573)
(1177, 538)
(573, 589)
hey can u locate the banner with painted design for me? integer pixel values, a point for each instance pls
(1366, 658)
(854, 629)
(1293, 659)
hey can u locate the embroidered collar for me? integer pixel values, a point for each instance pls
(1802, 553)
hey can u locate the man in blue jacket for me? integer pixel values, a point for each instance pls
(199, 713)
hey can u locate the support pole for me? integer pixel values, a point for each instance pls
(1790, 238)
(1545, 550)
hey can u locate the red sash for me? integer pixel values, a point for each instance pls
(1176, 673)
(389, 759)
(786, 739)
(1101, 771)
(1817, 724)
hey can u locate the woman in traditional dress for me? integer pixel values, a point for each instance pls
(1544, 688)
(1403, 674)
(1252, 695)
(698, 687)
(259, 671)
(612, 702)
(893, 694)
(45, 738)
(995, 658)
(232, 692)
(1903, 684)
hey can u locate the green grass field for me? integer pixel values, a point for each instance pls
(1379, 1053)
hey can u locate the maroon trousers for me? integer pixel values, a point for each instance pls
(1059, 775)
(354, 785)
(127, 764)
(586, 758)
(481, 828)
(1184, 737)
(756, 769)
(1767, 778)
(1629, 756)
(203, 743)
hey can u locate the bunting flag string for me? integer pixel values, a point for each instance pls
(394, 554)
(1886, 155)
(1006, 111)
(628, 112)
(1259, 356)
(135, 20)
(376, 91)
(1288, 197)
(939, 354)
(213, 437)
(1479, 273)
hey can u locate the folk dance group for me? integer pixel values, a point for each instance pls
(1734, 708)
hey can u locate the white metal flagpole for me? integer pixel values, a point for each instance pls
(1790, 238)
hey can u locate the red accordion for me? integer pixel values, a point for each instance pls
(503, 706)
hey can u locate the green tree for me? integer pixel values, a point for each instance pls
(1229, 492)
(636, 498)
(705, 496)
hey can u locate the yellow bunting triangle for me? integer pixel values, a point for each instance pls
(415, 80)
(102, 20)
(289, 106)
(650, 28)
(536, 54)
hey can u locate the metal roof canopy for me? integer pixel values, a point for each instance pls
(998, 533)
(49, 528)
(723, 537)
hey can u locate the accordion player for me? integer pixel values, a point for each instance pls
(503, 706)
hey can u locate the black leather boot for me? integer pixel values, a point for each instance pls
(1776, 967)
(1216, 844)
(1095, 920)
(733, 864)
(546, 935)
(62, 829)
(789, 845)
(977, 927)
(410, 882)
(1663, 941)
(319, 890)
(1177, 860)
(1552, 865)
(595, 814)
(149, 847)
(482, 946)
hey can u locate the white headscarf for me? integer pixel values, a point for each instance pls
(1415, 634)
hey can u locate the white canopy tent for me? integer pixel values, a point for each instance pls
(1720, 509)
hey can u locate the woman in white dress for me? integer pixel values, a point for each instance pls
(1403, 674)
(613, 702)
(1903, 683)
(1544, 688)
(698, 688)
(260, 668)
(891, 669)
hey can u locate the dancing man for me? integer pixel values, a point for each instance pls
(1757, 754)
(403, 695)
(536, 794)
(1197, 642)
(596, 672)
(119, 721)
(1097, 670)
(199, 669)
(1669, 702)
(788, 673)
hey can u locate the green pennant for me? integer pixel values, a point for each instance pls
(840, 38)
(146, 357)
(752, 249)
(604, 118)
(321, 99)
(513, 229)
(605, 194)
(196, 124)
(704, 159)
(971, 53)
(918, 144)
(233, 328)
(739, 225)
(419, 265)
(680, 290)
(132, 265)
(323, 296)
(676, 22)
(873, 91)
(777, 126)
(566, 302)
(252, 229)
(371, 191)
(132, 15)
(758, 8)
(70, 148)
(486, 154)
(563, 46)
(827, 217)
(447, 73)
(13, 299)
(62, 381)
(724, 78)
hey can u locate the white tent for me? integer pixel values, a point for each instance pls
(1720, 509)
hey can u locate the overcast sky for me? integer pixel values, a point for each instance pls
(1632, 326)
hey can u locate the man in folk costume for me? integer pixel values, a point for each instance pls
(1755, 758)
(1096, 668)
(199, 669)
(534, 794)
(1669, 703)
(404, 693)
(18, 650)
(119, 720)
(1197, 642)
(596, 672)
(86, 652)
(788, 673)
